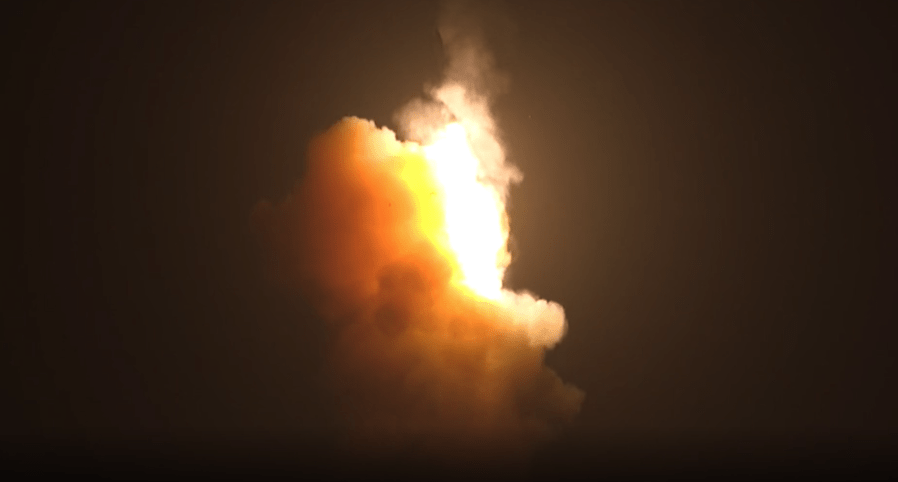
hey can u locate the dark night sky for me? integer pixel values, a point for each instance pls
(706, 191)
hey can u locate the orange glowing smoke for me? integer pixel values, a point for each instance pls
(404, 249)
(402, 246)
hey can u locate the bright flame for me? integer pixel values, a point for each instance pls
(476, 230)
(402, 247)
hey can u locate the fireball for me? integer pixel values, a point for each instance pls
(475, 224)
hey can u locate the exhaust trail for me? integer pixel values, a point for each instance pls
(402, 247)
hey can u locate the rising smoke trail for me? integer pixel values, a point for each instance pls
(402, 247)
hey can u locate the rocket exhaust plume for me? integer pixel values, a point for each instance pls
(402, 247)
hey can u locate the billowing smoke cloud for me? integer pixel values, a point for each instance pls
(419, 365)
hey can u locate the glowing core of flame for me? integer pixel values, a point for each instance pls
(476, 226)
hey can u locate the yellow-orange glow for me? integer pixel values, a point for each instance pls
(474, 225)
(401, 246)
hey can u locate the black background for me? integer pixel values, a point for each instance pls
(707, 191)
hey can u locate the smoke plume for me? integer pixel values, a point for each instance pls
(421, 364)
